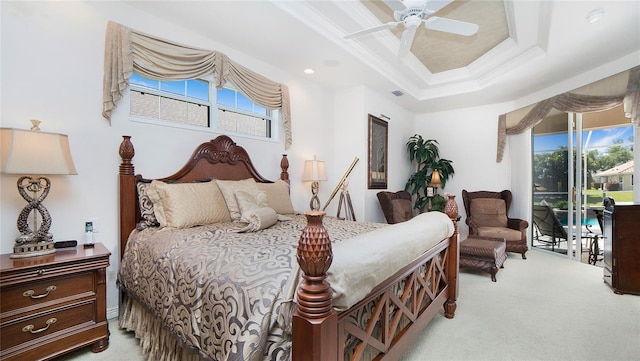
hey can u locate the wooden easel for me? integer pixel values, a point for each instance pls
(345, 200)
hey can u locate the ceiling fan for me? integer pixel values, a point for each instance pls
(412, 14)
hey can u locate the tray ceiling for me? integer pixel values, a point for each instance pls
(521, 48)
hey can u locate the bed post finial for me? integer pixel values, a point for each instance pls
(128, 197)
(284, 166)
(315, 321)
(451, 210)
(126, 152)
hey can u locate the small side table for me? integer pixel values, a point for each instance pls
(483, 253)
(53, 304)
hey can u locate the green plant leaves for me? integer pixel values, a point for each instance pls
(426, 154)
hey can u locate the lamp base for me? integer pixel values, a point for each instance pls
(33, 249)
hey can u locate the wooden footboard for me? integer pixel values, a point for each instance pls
(381, 326)
(384, 324)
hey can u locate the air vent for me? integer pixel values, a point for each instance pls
(397, 93)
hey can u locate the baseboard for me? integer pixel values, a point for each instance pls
(112, 313)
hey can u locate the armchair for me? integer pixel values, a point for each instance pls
(396, 206)
(487, 217)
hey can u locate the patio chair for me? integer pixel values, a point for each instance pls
(595, 252)
(547, 225)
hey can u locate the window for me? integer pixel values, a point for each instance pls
(196, 104)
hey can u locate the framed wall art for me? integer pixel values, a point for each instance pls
(378, 138)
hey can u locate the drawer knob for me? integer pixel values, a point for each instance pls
(30, 293)
(29, 328)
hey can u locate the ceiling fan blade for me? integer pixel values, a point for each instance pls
(433, 6)
(406, 41)
(451, 26)
(389, 25)
(395, 5)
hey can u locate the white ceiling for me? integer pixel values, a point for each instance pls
(549, 42)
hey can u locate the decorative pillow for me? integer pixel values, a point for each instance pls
(228, 189)
(278, 196)
(401, 210)
(146, 206)
(247, 201)
(258, 218)
(183, 205)
(489, 212)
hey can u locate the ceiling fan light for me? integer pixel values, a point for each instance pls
(412, 22)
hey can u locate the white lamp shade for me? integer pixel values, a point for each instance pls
(314, 171)
(35, 152)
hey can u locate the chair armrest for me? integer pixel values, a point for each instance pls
(473, 226)
(519, 224)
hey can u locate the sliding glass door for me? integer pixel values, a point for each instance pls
(578, 159)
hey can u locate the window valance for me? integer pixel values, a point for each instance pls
(128, 50)
(576, 103)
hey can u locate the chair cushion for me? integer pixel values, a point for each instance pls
(489, 212)
(500, 232)
(401, 210)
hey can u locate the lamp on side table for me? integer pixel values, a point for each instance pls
(36, 153)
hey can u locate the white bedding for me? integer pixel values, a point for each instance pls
(351, 274)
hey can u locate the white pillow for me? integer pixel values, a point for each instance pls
(183, 205)
(229, 188)
(278, 196)
(247, 201)
(258, 218)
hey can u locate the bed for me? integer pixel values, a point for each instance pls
(302, 287)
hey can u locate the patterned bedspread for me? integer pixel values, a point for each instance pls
(227, 294)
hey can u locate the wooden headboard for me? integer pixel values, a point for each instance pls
(220, 158)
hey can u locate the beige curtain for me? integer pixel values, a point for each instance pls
(127, 50)
(577, 103)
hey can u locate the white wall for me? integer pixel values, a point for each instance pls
(51, 70)
(468, 137)
(401, 127)
(351, 109)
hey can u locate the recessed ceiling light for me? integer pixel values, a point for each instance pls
(595, 15)
(309, 71)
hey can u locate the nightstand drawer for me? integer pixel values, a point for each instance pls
(46, 325)
(37, 292)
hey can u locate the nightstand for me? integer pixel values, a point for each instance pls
(50, 305)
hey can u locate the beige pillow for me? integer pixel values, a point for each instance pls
(258, 218)
(183, 205)
(278, 196)
(229, 188)
(247, 201)
(489, 212)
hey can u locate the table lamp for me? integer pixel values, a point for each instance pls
(432, 189)
(435, 179)
(314, 171)
(35, 153)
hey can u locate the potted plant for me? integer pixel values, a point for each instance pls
(426, 155)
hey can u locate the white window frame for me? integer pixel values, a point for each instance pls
(273, 116)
